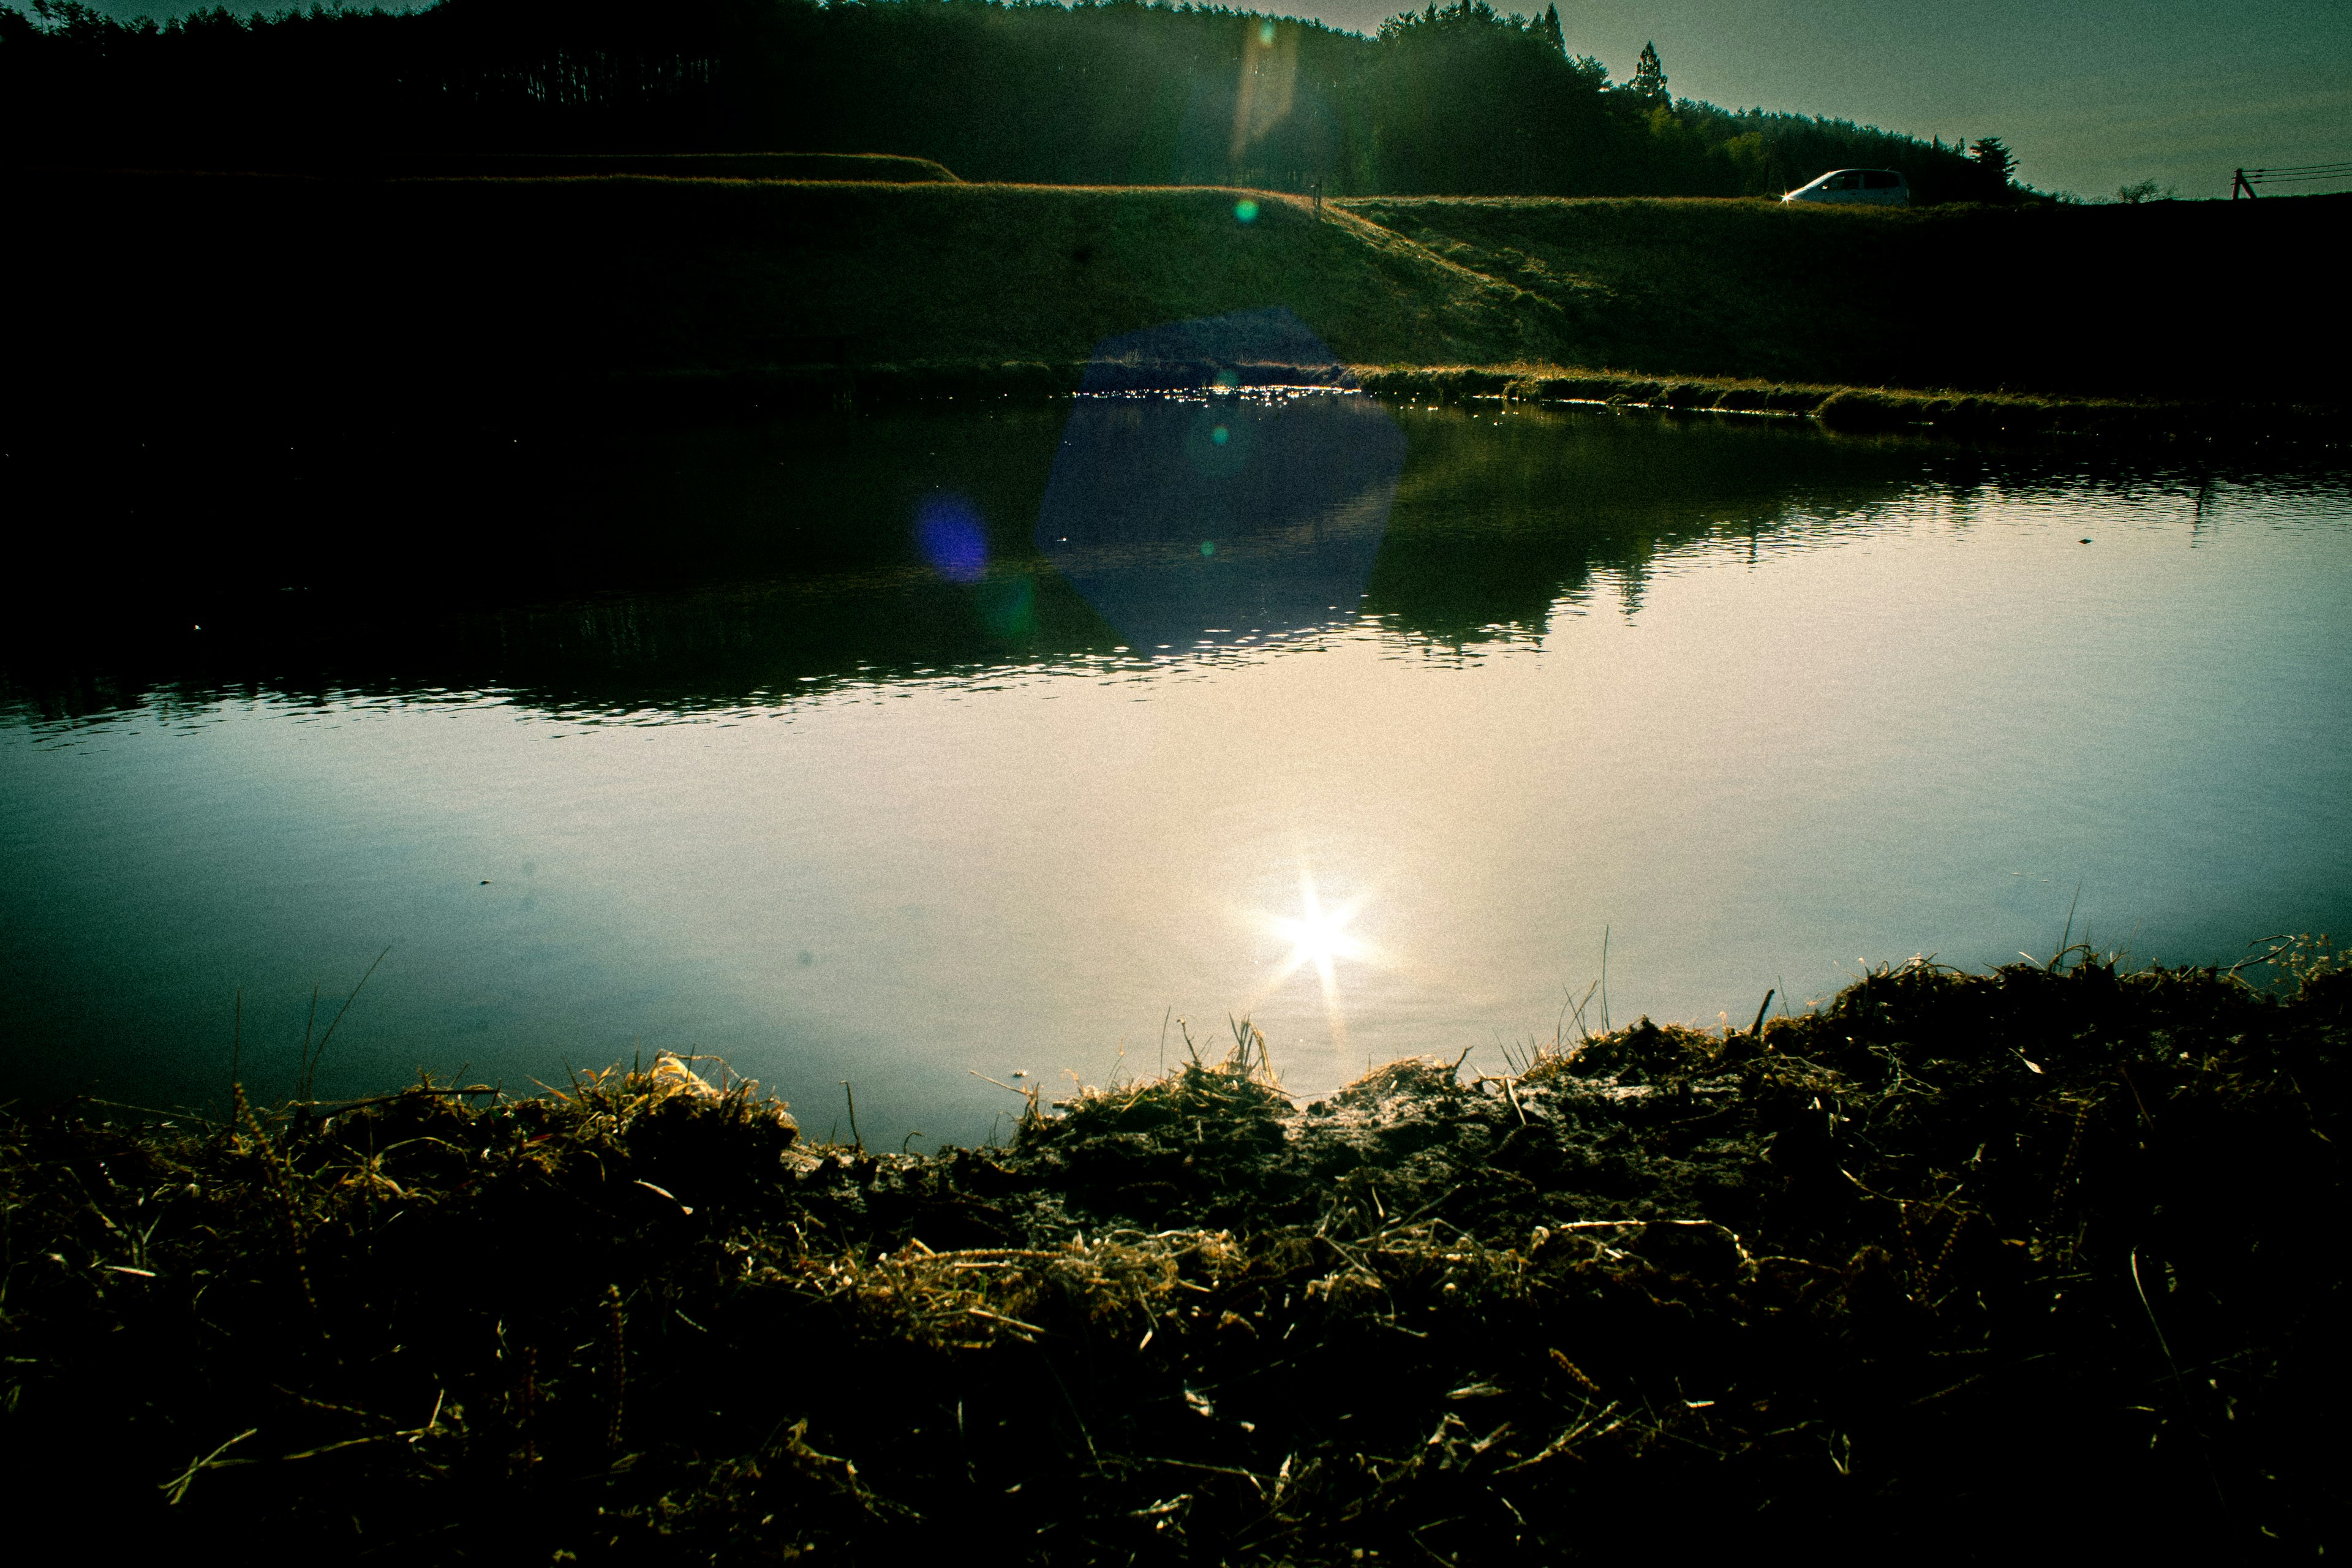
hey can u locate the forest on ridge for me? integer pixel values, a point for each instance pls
(1459, 100)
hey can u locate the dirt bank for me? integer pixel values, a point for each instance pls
(1950, 1264)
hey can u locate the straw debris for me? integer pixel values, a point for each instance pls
(1948, 1263)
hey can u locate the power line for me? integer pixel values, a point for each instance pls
(2243, 181)
(2301, 171)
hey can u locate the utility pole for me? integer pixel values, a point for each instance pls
(2238, 181)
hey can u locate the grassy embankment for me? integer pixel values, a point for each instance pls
(1969, 318)
(505, 292)
(510, 290)
(2039, 1260)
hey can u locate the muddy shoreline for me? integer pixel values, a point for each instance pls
(1987, 417)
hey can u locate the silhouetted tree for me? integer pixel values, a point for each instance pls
(1995, 159)
(1551, 31)
(1649, 76)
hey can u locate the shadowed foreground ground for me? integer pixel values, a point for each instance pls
(1954, 1265)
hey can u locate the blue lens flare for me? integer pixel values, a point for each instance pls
(949, 531)
(1246, 210)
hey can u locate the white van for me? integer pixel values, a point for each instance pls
(1873, 187)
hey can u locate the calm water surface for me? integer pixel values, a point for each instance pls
(897, 747)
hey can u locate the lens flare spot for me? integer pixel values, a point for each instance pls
(1008, 608)
(1208, 547)
(1266, 35)
(1221, 435)
(949, 533)
(1246, 210)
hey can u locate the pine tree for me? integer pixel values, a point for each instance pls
(1649, 76)
(1995, 159)
(1551, 31)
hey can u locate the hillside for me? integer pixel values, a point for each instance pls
(227, 295)
(2174, 300)
(276, 288)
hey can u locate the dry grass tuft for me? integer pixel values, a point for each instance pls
(1951, 1261)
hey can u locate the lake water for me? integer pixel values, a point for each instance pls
(897, 746)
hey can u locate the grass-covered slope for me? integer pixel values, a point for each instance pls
(278, 288)
(149, 296)
(2207, 302)
(1045, 273)
(1956, 1266)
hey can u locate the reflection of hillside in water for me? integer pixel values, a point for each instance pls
(1220, 520)
(685, 570)
(1504, 513)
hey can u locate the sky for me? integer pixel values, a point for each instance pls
(2089, 94)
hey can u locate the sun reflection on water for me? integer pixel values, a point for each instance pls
(1319, 938)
